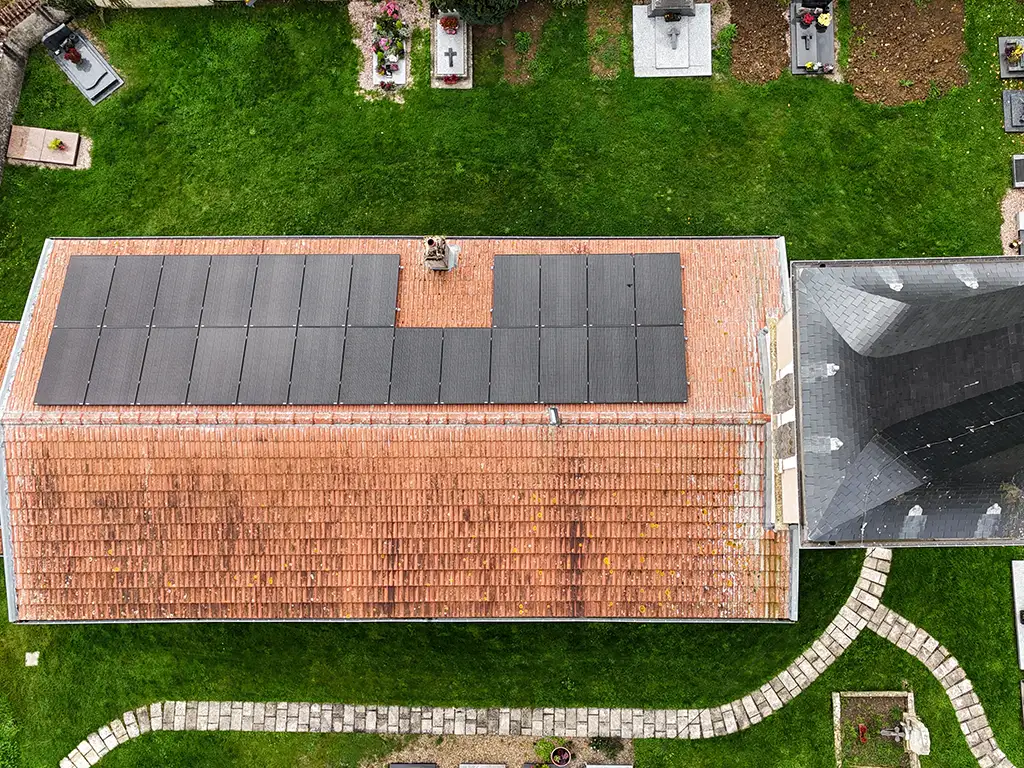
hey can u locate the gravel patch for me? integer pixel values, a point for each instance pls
(1013, 203)
(513, 751)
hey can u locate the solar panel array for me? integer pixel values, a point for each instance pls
(320, 330)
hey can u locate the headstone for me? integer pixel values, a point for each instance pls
(919, 741)
(450, 51)
(657, 8)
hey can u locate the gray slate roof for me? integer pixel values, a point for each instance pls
(911, 399)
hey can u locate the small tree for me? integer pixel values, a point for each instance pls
(483, 11)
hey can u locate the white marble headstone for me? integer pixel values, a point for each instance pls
(450, 50)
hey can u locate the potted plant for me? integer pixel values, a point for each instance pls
(388, 85)
(450, 24)
(450, 79)
(71, 54)
(57, 145)
(560, 757)
(1014, 52)
(823, 21)
(806, 19)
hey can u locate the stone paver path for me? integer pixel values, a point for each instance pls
(862, 609)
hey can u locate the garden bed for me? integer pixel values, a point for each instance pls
(760, 51)
(902, 52)
(453, 751)
(858, 719)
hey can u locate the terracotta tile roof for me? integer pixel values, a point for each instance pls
(8, 333)
(631, 511)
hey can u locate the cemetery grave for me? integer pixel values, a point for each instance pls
(1011, 57)
(84, 65)
(1013, 111)
(878, 729)
(812, 38)
(672, 38)
(451, 51)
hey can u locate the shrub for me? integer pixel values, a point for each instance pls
(565, 4)
(483, 11)
(10, 752)
(522, 43)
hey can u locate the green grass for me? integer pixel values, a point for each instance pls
(91, 674)
(237, 121)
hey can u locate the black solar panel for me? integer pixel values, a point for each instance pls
(133, 292)
(563, 365)
(168, 366)
(229, 292)
(662, 364)
(86, 287)
(610, 298)
(267, 366)
(516, 302)
(316, 369)
(275, 299)
(325, 290)
(366, 368)
(66, 368)
(515, 356)
(217, 367)
(465, 365)
(563, 291)
(118, 366)
(612, 365)
(179, 302)
(374, 291)
(416, 366)
(659, 289)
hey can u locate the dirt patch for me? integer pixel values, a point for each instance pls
(721, 17)
(516, 38)
(605, 28)
(861, 720)
(760, 51)
(902, 52)
(513, 751)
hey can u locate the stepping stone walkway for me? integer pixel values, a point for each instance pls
(862, 610)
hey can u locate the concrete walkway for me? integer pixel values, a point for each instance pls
(862, 609)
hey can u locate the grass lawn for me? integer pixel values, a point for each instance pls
(91, 674)
(239, 121)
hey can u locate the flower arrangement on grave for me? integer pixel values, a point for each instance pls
(388, 85)
(823, 20)
(451, 79)
(806, 19)
(450, 24)
(1014, 52)
(390, 34)
(71, 54)
(57, 145)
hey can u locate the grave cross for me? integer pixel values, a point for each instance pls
(673, 36)
(451, 54)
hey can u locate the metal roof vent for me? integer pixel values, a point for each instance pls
(438, 255)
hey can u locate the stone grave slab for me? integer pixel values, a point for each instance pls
(32, 145)
(672, 48)
(1008, 71)
(1013, 111)
(1017, 569)
(810, 44)
(93, 75)
(653, 54)
(398, 78)
(451, 54)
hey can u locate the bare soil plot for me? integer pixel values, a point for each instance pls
(528, 18)
(760, 51)
(606, 28)
(902, 52)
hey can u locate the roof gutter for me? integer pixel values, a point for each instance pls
(5, 393)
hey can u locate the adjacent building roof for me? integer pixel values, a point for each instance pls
(911, 399)
(629, 510)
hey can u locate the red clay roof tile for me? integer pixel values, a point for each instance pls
(633, 511)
